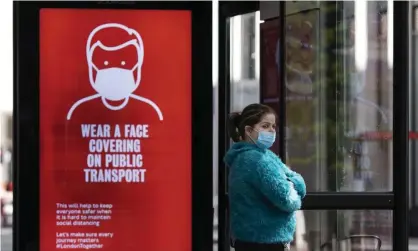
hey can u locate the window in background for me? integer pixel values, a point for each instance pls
(244, 58)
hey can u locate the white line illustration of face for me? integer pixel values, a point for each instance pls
(115, 83)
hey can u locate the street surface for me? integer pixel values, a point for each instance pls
(6, 239)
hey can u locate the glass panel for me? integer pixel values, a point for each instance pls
(339, 96)
(244, 60)
(302, 36)
(413, 113)
(343, 230)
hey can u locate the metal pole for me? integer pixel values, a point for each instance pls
(282, 74)
(401, 55)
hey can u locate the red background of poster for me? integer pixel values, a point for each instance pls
(151, 216)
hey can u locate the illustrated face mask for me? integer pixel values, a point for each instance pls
(115, 83)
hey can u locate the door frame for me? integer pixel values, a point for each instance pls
(397, 200)
(227, 9)
(401, 77)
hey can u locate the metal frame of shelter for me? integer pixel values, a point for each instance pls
(396, 200)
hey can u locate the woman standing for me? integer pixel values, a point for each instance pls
(264, 193)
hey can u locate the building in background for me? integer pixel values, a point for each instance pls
(6, 91)
(6, 135)
(6, 146)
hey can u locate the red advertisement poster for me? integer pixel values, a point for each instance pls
(115, 130)
(270, 32)
(270, 82)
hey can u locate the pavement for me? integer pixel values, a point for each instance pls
(6, 239)
(413, 244)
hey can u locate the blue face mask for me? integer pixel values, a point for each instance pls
(265, 139)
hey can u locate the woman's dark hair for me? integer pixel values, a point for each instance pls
(251, 115)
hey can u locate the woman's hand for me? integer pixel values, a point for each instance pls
(298, 182)
(293, 193)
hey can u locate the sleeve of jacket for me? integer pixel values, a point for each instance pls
(273, 183)
(298, 181)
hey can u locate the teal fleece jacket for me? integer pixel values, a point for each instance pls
(262, 200)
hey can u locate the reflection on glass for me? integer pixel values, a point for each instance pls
(366, 137)
(339, 96)
(343, 230)
(302, 35)
(244, 60)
